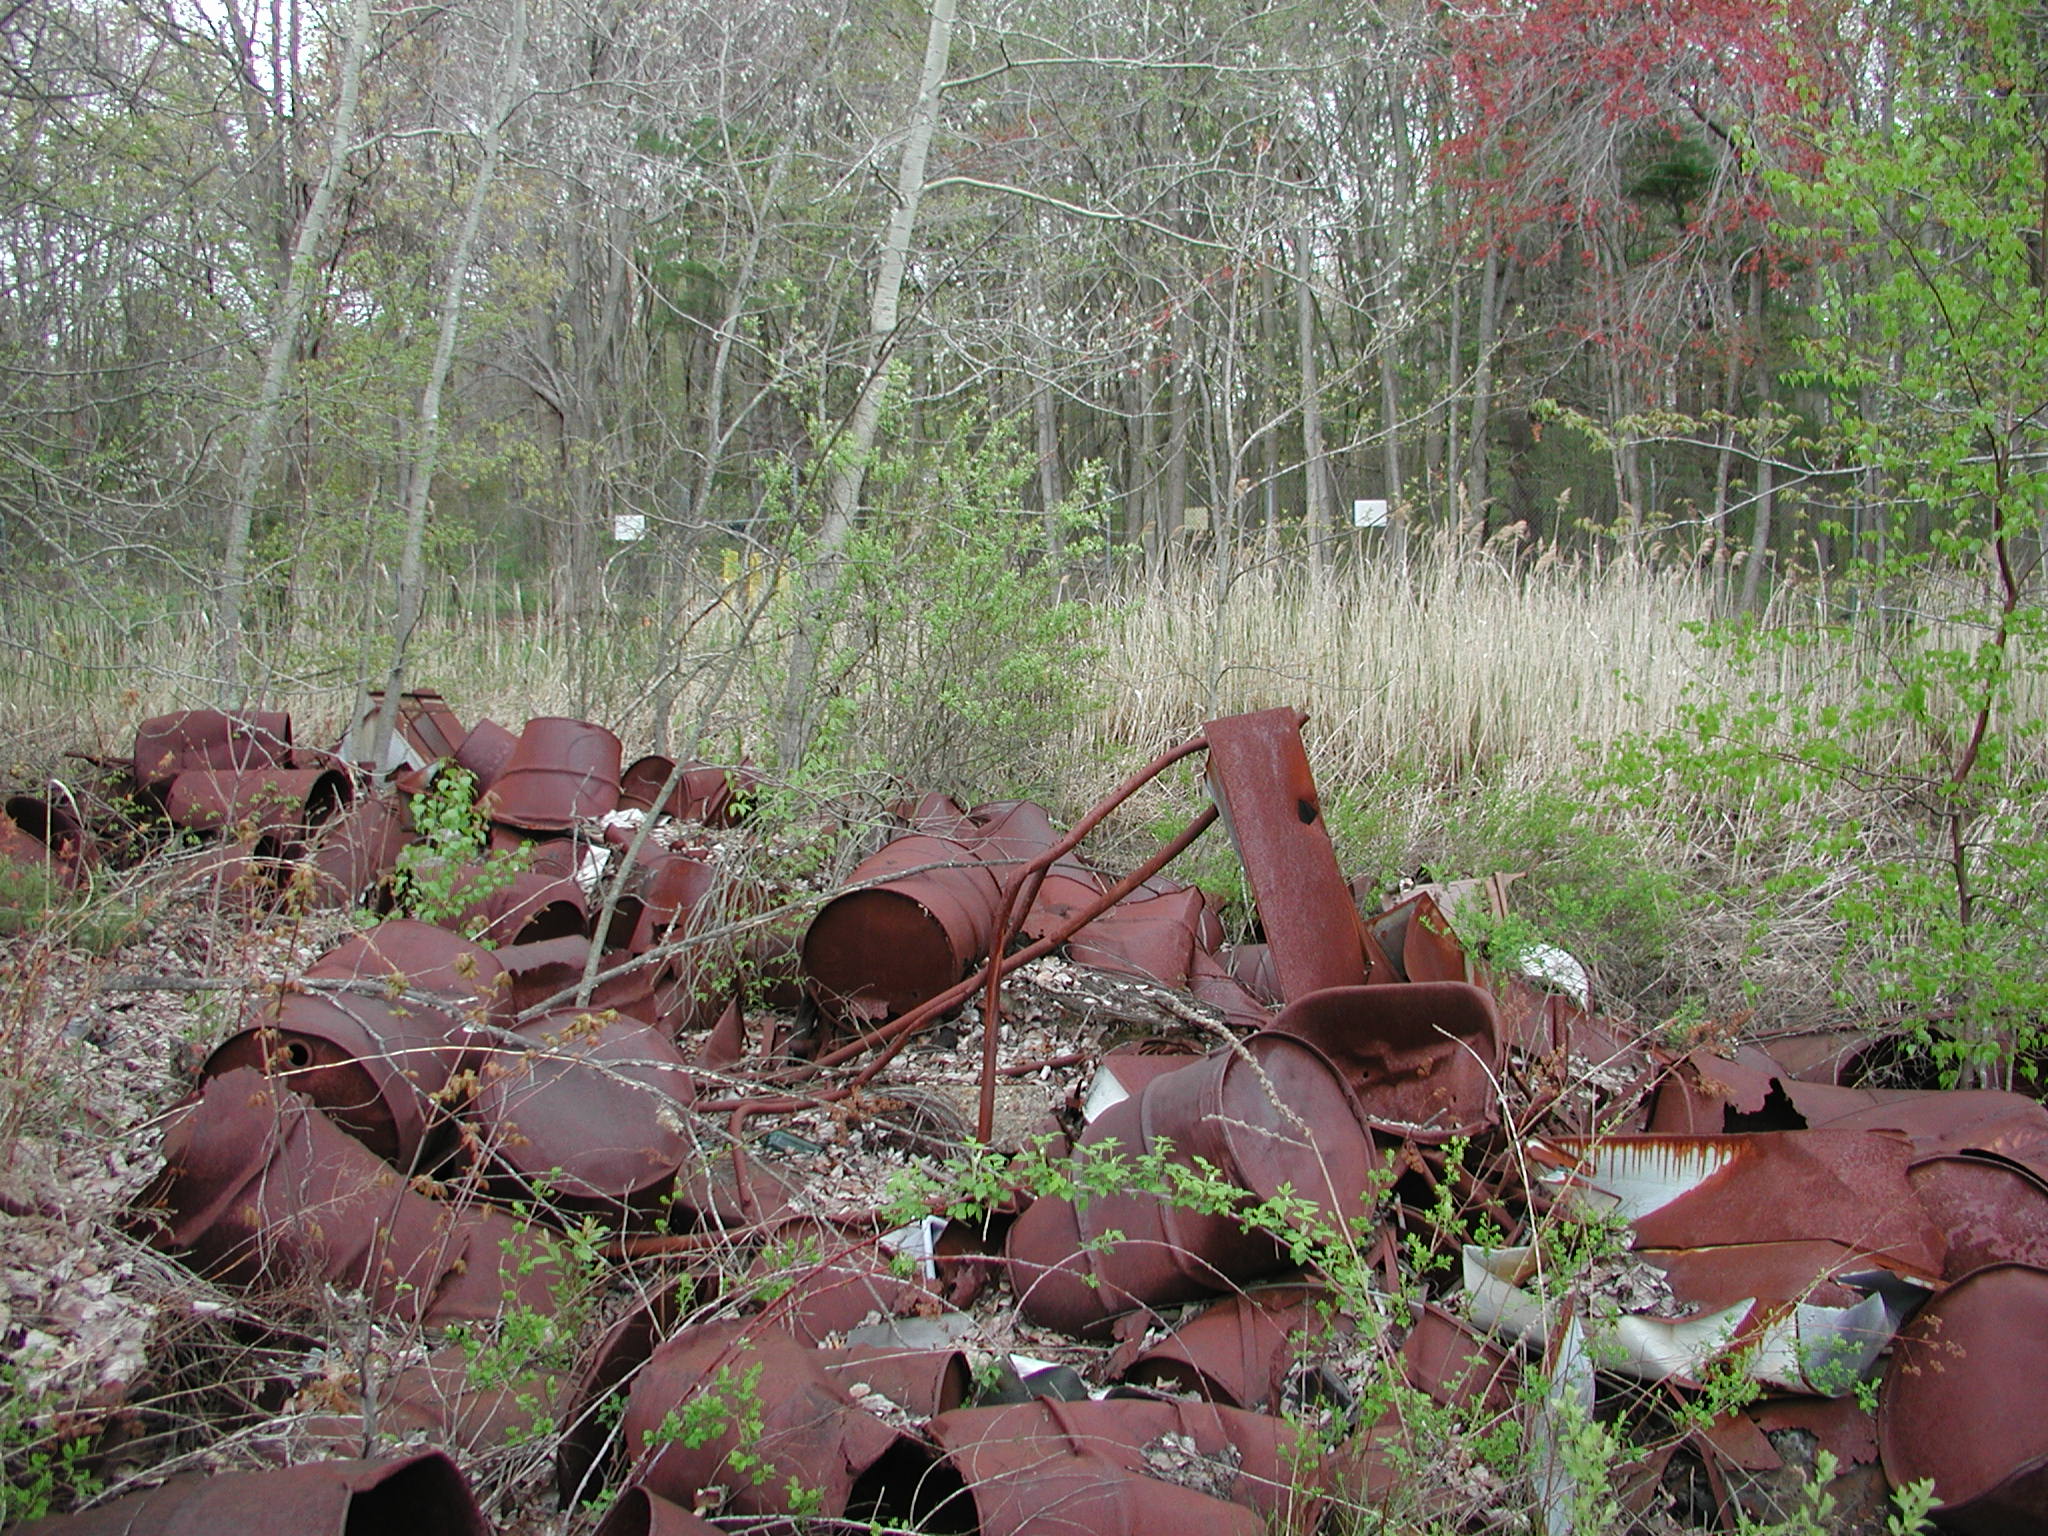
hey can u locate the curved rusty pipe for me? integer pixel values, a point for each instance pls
(1000, 966)
(1019, 896)
(1033, 871)
(892, 1039)
(984, 1120)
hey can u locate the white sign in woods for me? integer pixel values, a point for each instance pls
(1368, 514)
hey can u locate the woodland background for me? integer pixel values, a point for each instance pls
(985, 392)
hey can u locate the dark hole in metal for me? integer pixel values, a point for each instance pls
(1306, 810)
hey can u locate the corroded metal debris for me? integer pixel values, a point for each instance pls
(1373, 1183)
(422, 1495)
(259, 1187)
(1963, 1402)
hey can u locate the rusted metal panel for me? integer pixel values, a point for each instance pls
(1965, 1402)
(1245, 1351)
(642, 780)
(1209, 979)
(1259, 777)
(1993, 1211)
(712, 796)
(594, 1115)
(1834, 1056)
(834, 1276)
(1706, 1093)
(68, 846)
(169, 745)
(21, 848)
(427, 723)
(375, 1052)
(761, 1393)
(562, 772)
(1252, 965)
(1153, 936)
(920, 1382)
(638, 1512)
(530, 908)
(1445, 1357)
(1275, 1115)
(1126, 1070)
(671, 886)
(923, 912)
(1010, 833)
(287, 802)
(1938, 1123)
(486, 751)
(1420, 941)
(425, 731)
(422, 1495)
(350, 860)
(1421, 1061)
(1848, 1187)
(260, 1187)
(1716, 1277)
(1123, 1467)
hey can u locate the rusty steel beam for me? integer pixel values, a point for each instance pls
(1260, 780)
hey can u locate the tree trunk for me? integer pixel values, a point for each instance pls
(1045, 416)
(716, 431)
(856, 440)
(1316, 497)
(1724, 460)
(1174, 504)
(427, 427)
(1387, 280)
(1476, 469)
(1140, 479)
(288, 323)
(1760, 536)
(1443, 394)
(1267, 365)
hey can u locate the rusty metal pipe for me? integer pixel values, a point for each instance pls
(1018, 898)
(992, 1005)
(892, 1039)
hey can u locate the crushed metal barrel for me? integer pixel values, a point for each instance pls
(1312, 1224)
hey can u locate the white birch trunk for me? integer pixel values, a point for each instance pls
(856, 441)
(287, 325)
(427, 425)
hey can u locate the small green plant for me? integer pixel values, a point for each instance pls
(1726, 1387)
(33, 903)
(27, 896)
(44, 1465)
(953, 654)
(451, 868)
(728, 1411)
(526, 1347)
(730, 1405)
(1813, 1514)
(1912, 1508)
(1585, 1453)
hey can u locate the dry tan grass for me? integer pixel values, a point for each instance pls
(1455, 663)
(1436, 691)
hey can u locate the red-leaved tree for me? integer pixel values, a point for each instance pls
(1612, 158)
